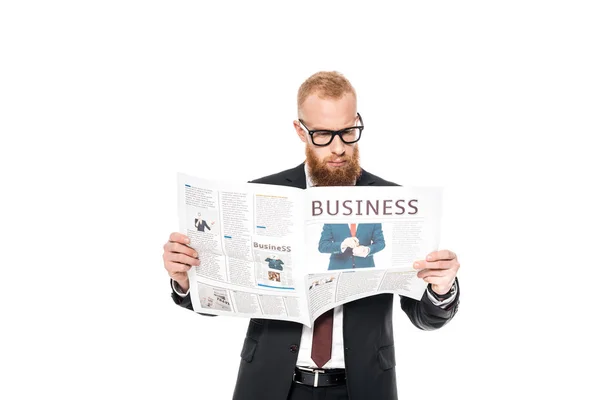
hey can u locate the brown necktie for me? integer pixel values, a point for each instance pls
(321, 343)
(353, 230)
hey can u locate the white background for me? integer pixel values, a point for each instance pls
(101, 103)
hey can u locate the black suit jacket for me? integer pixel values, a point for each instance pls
(270, 349)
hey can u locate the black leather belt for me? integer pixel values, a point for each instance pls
(320, 377)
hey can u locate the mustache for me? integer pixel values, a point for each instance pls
(336, 158)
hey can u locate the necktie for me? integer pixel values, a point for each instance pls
(321, 343)
(322, 331)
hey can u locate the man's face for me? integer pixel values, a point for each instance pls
(336, 164)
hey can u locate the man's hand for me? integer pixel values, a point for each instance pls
(361, 251)
(439, 269)
(351, 242)
(178, 258)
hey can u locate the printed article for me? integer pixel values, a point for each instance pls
(285, 253)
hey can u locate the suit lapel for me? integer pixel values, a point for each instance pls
(296, 177)
(365, 179)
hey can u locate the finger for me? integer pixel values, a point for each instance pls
(438, 280)
(175, 267)
(185, 259)
(173, 247)
(181, 258)
(432, 272)
(179, 238)
(441, 255)
(436, 265)
(419, 264)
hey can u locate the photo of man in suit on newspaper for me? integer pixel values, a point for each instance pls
(201, 224)
(351, 245)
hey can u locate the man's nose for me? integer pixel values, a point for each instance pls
(337, 146)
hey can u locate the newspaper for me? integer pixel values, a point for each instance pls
(278, 252)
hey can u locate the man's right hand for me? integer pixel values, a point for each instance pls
(351, 242)
(178, 258)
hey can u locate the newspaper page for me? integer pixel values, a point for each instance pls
(249, 241)
(361, 241)
(285, 253)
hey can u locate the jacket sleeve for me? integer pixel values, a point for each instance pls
(327, 243)
(377, 241)
(185, 302)
(425, 315)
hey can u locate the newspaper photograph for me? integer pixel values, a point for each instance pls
(291, 254)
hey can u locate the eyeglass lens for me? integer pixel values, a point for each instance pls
(349, 135)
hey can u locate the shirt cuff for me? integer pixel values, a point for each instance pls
(445, 302)
(177, 289)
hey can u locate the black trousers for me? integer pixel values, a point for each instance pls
(304, 392)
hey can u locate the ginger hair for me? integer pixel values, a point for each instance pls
(327, 85)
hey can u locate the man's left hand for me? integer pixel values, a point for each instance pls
(361, 251)
(439, 268)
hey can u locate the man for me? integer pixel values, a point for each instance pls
(351, 245)
(201, 224)
(275, 262)
(349, 353)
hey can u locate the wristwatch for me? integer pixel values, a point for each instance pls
(442, 297)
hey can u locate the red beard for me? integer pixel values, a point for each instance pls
(322, 175)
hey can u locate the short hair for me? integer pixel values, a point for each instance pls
(327, 84)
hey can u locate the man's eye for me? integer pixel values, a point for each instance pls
(350, 133)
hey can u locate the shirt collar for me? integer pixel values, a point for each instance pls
(309, 182)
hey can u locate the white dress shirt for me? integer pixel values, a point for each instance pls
(337, 340)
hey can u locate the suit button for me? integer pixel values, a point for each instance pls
(294, 348)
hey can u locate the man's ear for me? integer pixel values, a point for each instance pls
(299, 131)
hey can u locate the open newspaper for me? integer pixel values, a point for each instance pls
(285, 253)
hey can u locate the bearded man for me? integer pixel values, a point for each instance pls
(349, 352)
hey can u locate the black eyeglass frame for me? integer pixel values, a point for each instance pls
(335, 133)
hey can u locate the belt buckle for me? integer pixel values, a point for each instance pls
(316, 372)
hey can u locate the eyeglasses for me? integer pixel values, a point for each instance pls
(323, 137)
